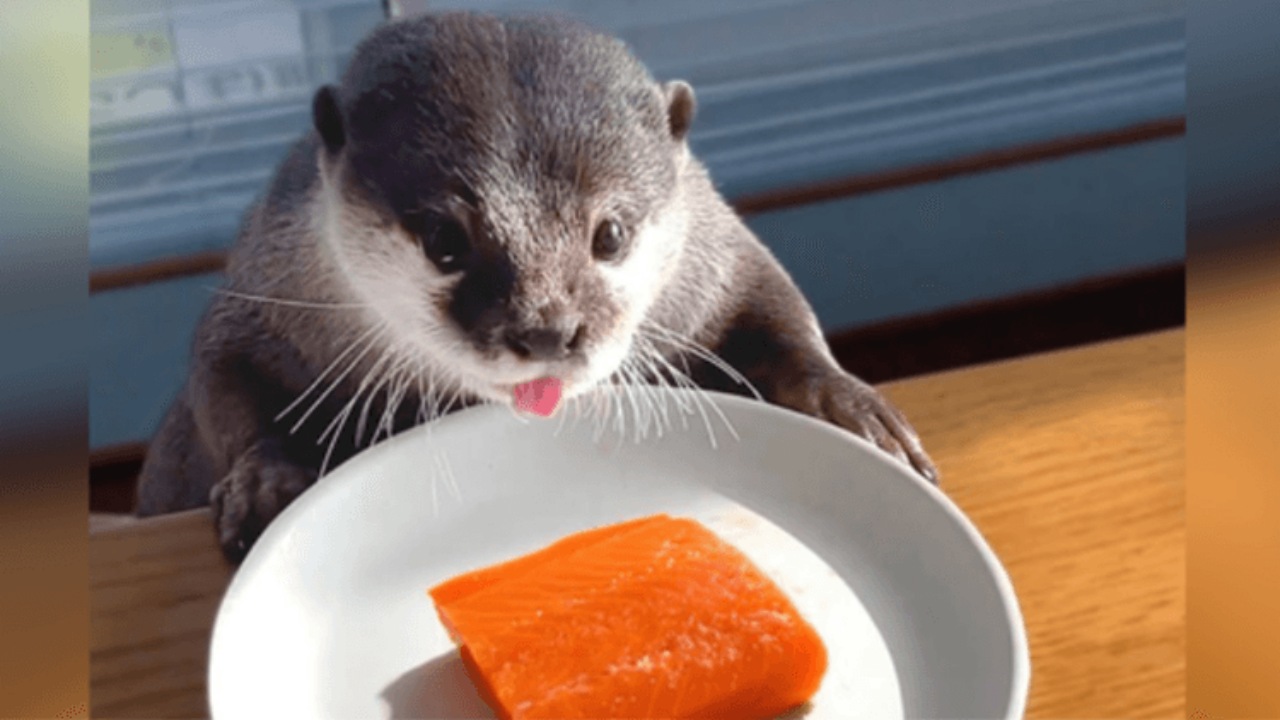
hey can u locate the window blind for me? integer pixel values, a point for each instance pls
(195, 101)
(192, 105)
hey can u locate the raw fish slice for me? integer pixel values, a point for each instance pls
(454, 590)
(657, 617)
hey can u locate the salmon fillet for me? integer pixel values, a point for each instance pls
(651, 618)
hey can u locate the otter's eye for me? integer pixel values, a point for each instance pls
(445, 243)
(609, 240)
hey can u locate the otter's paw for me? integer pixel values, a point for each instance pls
(850, 403)
(249, 497)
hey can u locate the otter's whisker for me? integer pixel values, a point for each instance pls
(696, 395)
(441, 388)
(332, 386)
(600, 408)
(629, 386)
(396, 380)
(405, 385)
(595, 412)
(457, 395)
(450, 480)
(386, 387)
(619, 414)
(699, 392)
(338, 423)
(662, 334)
(421, 417)
(395, 397)
(666, 374)
(431, 405)
(654, 399)
(320, 378)
(663, 387)
(564, 415)
(340, 418)
(657, 388)
(701, 400)
(636, 411)
(584, 407)
(286, 302)
(373, 380)
(438, 410)
(328, 453)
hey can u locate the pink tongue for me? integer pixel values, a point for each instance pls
(540, 397)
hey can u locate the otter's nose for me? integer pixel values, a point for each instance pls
(545, 343)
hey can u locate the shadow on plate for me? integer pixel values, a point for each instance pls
(436, 690)
(441, 690)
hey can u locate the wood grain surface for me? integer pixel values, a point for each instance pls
(1233, 463)
(1070, 464)
(154, 588)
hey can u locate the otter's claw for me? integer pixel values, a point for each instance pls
(859, 408)
(249, 497)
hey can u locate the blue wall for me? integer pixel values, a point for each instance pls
(140, 338)
(924, 248)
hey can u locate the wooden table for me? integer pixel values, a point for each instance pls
(1070, 463)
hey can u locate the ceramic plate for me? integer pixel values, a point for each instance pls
(328, 617)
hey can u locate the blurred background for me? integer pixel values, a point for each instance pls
(44, 608)
(948, 182)
(1233, 355)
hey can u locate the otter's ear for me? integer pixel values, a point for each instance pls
(681, 107)
(327, 117)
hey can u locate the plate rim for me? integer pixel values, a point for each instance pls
(1016, 702)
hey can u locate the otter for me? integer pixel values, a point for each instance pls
(480, 203)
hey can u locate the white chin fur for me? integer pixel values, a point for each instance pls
(392, 278)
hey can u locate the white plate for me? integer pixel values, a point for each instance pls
(328, 617)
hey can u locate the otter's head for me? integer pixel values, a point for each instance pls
(500, 193)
